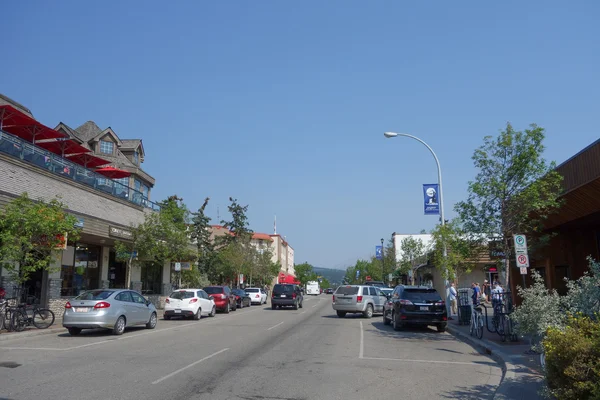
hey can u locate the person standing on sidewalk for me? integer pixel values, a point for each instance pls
(475, 295)
(452, 298)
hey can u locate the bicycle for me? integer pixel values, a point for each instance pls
(476, 321)
(20, 319)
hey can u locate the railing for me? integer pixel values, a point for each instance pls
(49, 161)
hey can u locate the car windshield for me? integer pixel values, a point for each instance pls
(347, 290)
(283, 289)
(95, 295)
(213, 290)
(252, 290)
(422, 295)
(182, 295)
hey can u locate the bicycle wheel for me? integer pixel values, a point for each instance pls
(43, 318)
(18, 320)
(479, 327)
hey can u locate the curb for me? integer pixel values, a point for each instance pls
(33, 332)
(509, 376)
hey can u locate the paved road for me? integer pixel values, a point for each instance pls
(251, 354)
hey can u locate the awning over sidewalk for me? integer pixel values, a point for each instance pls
(287, 278)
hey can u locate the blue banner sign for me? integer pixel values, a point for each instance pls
(379, 252)
(431, 199)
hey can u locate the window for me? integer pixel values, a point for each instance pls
(181, 295)
(80, 270)
(137, 298)
(124, 296)
(106, 147)
(136, 158)
(373, 291)
(365, 291)
(137, 185)
(347, 290)
(122, 181)
(95, 295)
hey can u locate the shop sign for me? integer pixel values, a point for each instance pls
(495, 250)
(120, 233)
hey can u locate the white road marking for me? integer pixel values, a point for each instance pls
(361, 351)
(420, 361)
(275, 326)
(302, 312)
(188, 366)
(315, 305)
(31, 348)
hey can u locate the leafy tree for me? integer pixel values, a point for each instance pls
(413, 252)
(463, 249)
(202, 235)
(304, 272)
(238, 225)
(265, 269)
(163, 236)
(194, 278)
(29, 231)
(364, 268)
(325, 283)
(514, 191)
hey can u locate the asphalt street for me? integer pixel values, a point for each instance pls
(250, 354)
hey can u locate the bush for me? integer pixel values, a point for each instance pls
(573, 360)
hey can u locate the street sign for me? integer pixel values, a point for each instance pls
(522, 261)
(390, 276)
(523, 270)
(520, 244)
(357, 274)
(177, 266)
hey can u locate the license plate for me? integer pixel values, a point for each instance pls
(177, 311)
(283, 295)
(424, 308)
(82, 309)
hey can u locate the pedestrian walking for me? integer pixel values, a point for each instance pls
(452, 297)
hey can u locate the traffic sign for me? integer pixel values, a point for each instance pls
(520, 244)
(523, 270)
(522, 261)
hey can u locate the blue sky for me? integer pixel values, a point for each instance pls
(283, 104)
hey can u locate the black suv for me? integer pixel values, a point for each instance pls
(415, 305)
(286, 295)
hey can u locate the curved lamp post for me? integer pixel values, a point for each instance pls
(442, 217)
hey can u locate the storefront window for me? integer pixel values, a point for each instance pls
(151, 278)
(81, 272)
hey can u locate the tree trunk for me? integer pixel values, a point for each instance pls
(128, 272)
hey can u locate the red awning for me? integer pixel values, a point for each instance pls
(287, 278)
(21, 125)
(113, 173)
(63, 147)
(88, 160)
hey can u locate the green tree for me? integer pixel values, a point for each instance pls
(202, 235)
(514, 191)
(265, 269)
(325, 283)
(29, 232)
(163, 236)
(239, 225)
(194, 278)
(371, 268)
(413, 254)
(304, 272)
(463, 249)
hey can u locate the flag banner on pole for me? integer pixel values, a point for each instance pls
(379, 252)
(431, 199)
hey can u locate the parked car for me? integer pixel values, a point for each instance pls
(224, 299)
(415, 305)
(191, 303)
(329, 291)
(356, 299)
(114, 309)
(242, 299)
(286, 295)
(375, 283)
(387, 291)
(257, 295)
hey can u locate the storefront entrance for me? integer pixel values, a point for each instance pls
(117, 271)
(80, 269)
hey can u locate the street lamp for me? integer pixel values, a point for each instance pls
(390, 135)
(382, 263)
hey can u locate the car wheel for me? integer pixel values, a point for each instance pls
(397, 324)
(368, 312)
(295, 306)
(234, 308)
(441, 328)
(119, 327)
(152, 321)
(198, 314)
(166, 317)
(341, 314)
(74, 331)
(241, 304)
(385, 320)
(227, 309)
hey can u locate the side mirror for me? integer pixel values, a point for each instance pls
(148, 302)
(211, 297)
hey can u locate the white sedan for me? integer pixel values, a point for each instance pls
(257, 295)
(194, 303)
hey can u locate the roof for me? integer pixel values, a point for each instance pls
(130, 143)
(88, 130)
(5, 100)
(261, 236)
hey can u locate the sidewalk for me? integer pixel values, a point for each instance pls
(32, 331)
(522, 378)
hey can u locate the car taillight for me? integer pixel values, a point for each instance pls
(223, 297)
(257, 296)
(359, 299)
(293, 295)
(440, 303)
(193, 301)
(68, 305)
(444, 318)
(237, 297)
(167, 301)
(333, 298)
(102, 304)
(406, 302)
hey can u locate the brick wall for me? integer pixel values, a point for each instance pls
(57, 306)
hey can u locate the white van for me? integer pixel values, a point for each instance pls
(312, 287)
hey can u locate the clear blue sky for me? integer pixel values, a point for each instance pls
(283, 104)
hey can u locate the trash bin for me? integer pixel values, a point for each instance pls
(464, 306)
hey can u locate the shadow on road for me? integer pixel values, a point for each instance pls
(414, 333)
(477, 392)
(102, 332)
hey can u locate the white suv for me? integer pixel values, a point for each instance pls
(356, 299)
(194, 303)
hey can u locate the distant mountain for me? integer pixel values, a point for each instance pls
(334, 276)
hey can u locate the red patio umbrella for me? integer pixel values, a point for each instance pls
(113, 173)
(88, 160)
(22, 125)
(63, 147)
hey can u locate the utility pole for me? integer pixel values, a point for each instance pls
(382, 263)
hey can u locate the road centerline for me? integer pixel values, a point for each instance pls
(275, 326)
(361, 351)
(189, 366)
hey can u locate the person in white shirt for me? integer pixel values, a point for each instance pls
(497, 295)
(452, 298)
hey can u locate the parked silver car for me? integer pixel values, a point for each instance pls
(355, 299)
(113, 309)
